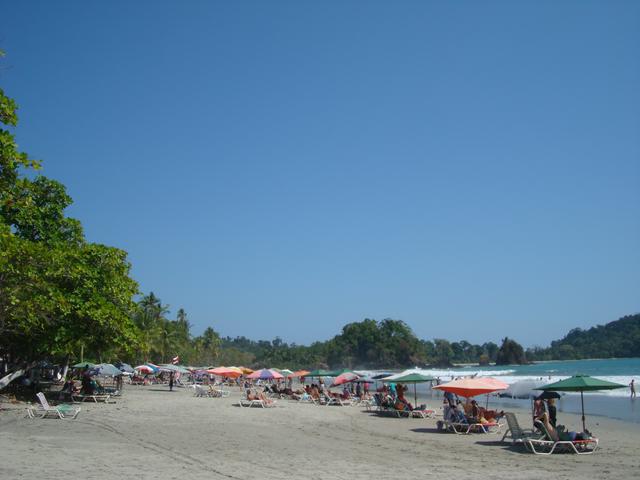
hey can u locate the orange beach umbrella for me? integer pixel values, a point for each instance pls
(225, 372)
(470, 387)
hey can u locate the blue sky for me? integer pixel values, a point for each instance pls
(284, 168)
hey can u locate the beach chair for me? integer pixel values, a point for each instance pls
(306, 398)
(462, 428)
(422, 413)
(547, 445)
(200, 391)
(516, 433)
(217, 393)
(244, 402)
(337, 401)
(59, 411)
(95, 397)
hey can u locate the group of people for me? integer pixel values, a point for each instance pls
(89, 385)
(392, 396)
(470, 412)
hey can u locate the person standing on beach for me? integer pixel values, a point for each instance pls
(632, 386)
(171, 382)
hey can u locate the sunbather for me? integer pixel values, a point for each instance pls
(558, 434)
(265, 399)
(551, 408)
(538, 409)
(88, 385)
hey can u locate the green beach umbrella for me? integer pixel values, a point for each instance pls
(318, 373)
(174, 368)
(580, 383)
(337, 373)
(410, 378)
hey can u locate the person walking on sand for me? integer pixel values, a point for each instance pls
(171, 382)
(632, 386)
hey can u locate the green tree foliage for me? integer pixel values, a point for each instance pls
(58, 293)
(510, 353)
(617, 339)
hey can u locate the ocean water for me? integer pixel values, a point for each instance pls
(617, 370)
(523, 379)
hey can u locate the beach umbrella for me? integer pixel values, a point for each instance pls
(286, 372)
(337, 373)
(153, 367)
(144, 369)
(105, 369)
(318, 373)
(345, 378)
(547, 394)
(125, 367)
(174, 368)
(265, 374)
(84, 365)
(225, 372)
(470, 387)
(412, 377)
(300, 373)
(245, 370)
(581, 383)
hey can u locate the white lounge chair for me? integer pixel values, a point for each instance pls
(424, 413)
(547, 446)
(516, 433)
(200, 391)
(462, 428)
(95, 397)
(245, 402)
(60, 411)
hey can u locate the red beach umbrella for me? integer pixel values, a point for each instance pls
(144, 369)
(345, 378)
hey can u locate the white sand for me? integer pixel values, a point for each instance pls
(155, 434)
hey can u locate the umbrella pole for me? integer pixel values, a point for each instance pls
(582, 401)
(415, 396)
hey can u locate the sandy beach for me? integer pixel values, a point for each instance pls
(150, 432)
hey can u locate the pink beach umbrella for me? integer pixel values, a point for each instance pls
(265, 374)
(144, 369)
(345, 378)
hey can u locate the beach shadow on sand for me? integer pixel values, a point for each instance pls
(505, 446)
(159, 390)
(427, 430)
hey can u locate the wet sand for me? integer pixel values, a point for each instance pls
(151, 433)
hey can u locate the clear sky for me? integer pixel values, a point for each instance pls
(284, 168)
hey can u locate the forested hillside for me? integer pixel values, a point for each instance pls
(620, 338)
